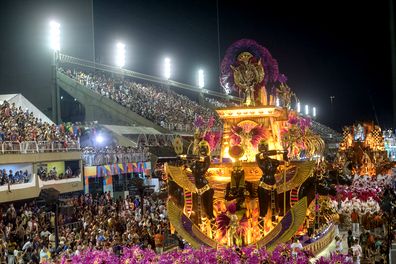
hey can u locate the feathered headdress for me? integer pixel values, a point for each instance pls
(259, 53)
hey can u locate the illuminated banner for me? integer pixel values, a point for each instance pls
(119, 168)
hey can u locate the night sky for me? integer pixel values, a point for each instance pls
(331, 48)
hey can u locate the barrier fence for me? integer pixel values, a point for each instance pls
(94, 159)
(78, 225)
(26, 147)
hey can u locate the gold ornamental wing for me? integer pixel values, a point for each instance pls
(179, 175)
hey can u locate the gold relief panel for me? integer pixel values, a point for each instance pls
(222, 172)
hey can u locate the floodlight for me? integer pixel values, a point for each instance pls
(167, 68)
(314, 111)
(55, 36)
(120, 55)
(99, 139)
(306, 110)
(298, 107)
(201, 78)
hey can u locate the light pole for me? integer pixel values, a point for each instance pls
(55, 46)
(332, 98)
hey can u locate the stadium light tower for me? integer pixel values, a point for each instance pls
(167, 68)
(120, 55)
(201, 78)
(55, 46)
(306, 110)
(55, 36)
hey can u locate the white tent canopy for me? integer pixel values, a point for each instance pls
(21, 101)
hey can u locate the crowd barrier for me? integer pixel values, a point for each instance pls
(170, 242)
(178, 127)
(26, 147)
(74, 225)
(91, 159)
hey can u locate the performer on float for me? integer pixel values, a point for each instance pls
(238, 185)
(199, 166)
(267, 187)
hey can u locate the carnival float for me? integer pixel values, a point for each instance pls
(362, 151)
(264, 186)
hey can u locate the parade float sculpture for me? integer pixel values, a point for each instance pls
(258, 190)
(362, 151)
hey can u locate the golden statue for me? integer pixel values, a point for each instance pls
(247, 75)
(285, 95)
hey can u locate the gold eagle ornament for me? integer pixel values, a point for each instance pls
(247, 75)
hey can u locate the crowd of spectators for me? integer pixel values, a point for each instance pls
(158, 104)
(21, 125)
(27, 233)
(94, 156)
(52, 174)
(14, 178)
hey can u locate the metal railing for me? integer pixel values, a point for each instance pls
(29, 147)
(78, 225)
(170, 242)
(11, 147)
(96, 159)
(26, 147)
(179, 127)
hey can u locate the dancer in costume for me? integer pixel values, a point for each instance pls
(199, 166)
(267, 186)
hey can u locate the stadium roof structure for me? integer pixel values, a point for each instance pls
(21, 101)
(129, 135)
(132, 130)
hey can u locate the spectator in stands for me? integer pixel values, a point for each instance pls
(53, 174)
(68, 172)
(10, 178)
